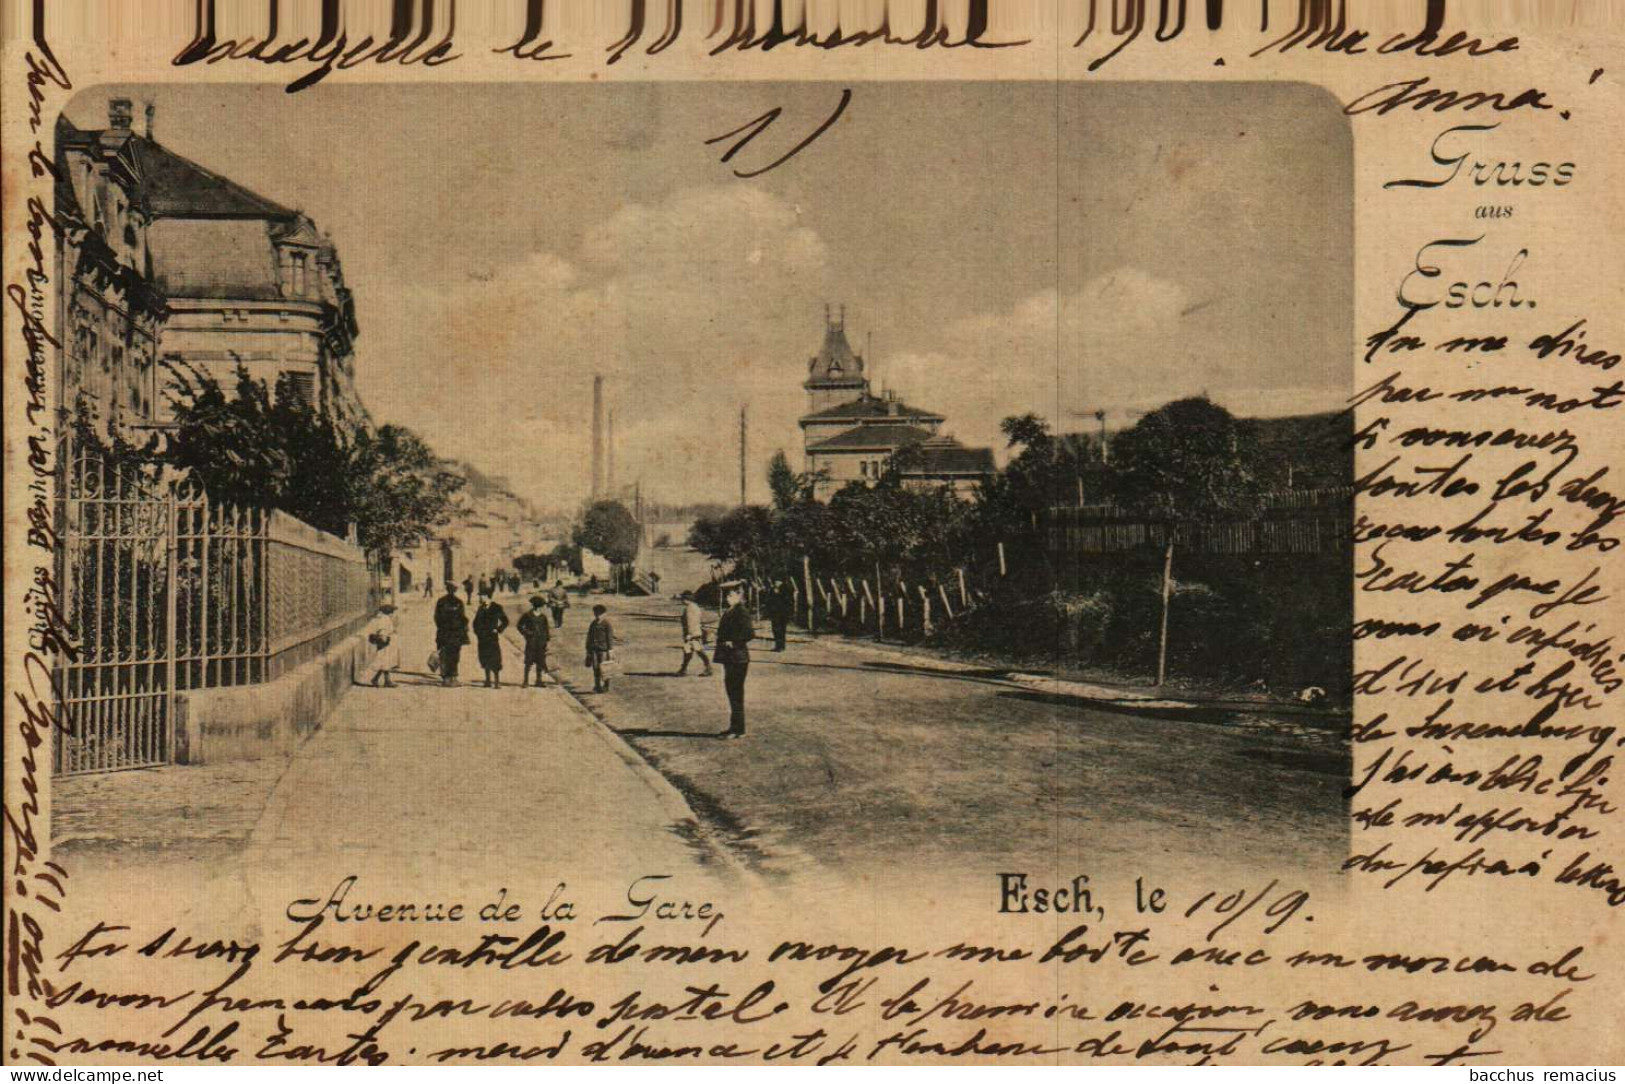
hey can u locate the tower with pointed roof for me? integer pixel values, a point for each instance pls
(835, 374)
(849, 434)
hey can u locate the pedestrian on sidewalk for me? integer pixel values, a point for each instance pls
(428, 587)
(489, 621)
(381, 635)
(468, 589)
(781, 604)
(450, 632)
(534, 627)
(734, 634)
(693, 635)
(559, 599)
(600, 648)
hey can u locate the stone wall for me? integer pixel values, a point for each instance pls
(246, 722)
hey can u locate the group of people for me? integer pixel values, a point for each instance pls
(452, 627)
(734, 633)
(500, 582)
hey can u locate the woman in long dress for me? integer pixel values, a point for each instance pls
(381, 634)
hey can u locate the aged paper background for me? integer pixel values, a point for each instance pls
(1467, 912)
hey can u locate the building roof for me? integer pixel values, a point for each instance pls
(872, 438)
(179, 186)
(934, 460)
(835, 364)
(214, 258)
(870, 406)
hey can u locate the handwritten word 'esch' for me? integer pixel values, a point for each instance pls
(423, 31)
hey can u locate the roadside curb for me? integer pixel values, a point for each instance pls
(672, 802)
(1102, 694)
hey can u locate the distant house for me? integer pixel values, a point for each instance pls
(850, 434)
(943, 461)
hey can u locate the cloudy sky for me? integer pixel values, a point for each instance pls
(1010, 247)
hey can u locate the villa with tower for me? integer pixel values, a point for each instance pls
(852, 435)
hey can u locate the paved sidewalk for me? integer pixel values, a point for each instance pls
(419, 784)
(502, 780)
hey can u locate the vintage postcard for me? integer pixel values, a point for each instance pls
(888, 532)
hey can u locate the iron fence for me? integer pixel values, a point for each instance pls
(167, 591)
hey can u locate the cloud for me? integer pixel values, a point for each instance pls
(688, 307)
(1125, 341)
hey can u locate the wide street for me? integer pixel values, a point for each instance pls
(862, 764)
(872, 764)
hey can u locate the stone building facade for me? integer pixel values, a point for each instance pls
(245, 280)
(112, 311)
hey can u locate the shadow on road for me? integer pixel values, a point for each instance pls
(634, 732)
(1322, 763)
(1195, 714)
(977, 677)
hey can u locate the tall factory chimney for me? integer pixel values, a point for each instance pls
(597, 437)
(609, 456)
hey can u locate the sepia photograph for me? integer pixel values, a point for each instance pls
(547, 472)
(811, 532)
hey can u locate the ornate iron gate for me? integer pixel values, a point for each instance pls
(166, 592)
(115, 693)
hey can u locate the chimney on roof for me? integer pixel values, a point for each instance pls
(152, 118)
(118, 114)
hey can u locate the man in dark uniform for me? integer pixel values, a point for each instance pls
(781, 605)
(450, 632)
(734, 634)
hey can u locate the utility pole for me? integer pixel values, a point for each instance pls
(743, 429)
(597, 437)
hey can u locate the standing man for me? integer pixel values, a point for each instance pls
(781, 604)
(734, 634)
(489, 621)
(450, 632)
(693, 635)
(428, 587)
(600, 648)
(559, 599)
(468, 588)
(534, 628)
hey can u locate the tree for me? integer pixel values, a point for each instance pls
(401, 490)
(1189, 456)
(565, 555)
(608, 529)
(788, 486)
(741, 536)
(263, 449)
(260, 449)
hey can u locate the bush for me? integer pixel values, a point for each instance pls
(1227, 624)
